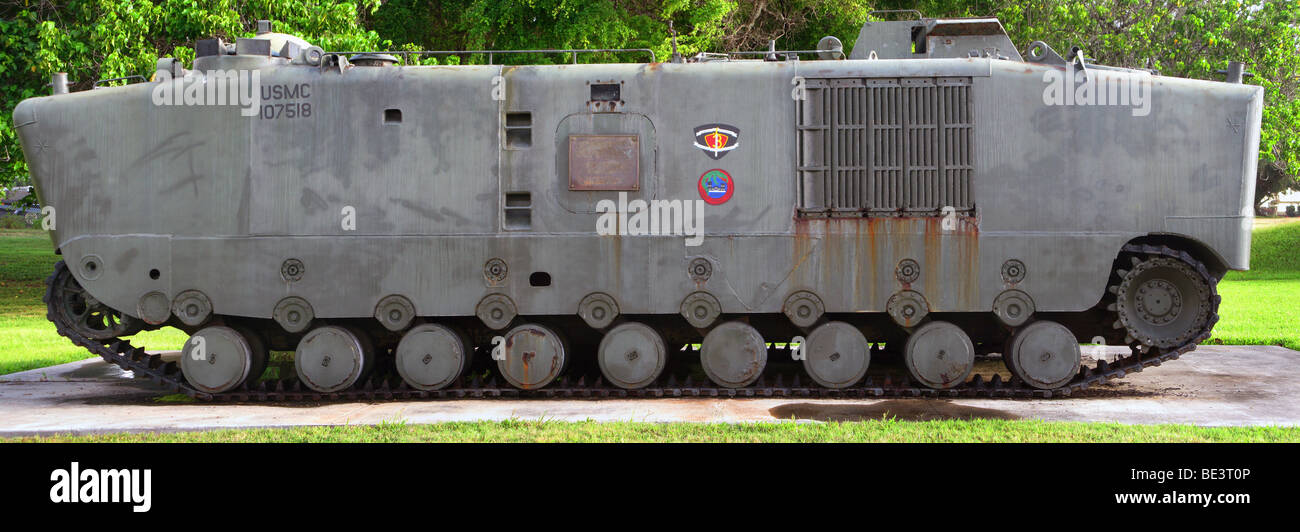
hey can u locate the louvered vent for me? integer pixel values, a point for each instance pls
(885, 147)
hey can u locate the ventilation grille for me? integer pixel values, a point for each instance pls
(885, 147)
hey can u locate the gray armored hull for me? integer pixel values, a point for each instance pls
(885, 194)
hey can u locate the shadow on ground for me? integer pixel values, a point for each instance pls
(901, 409)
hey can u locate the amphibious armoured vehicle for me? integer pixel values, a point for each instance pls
(646, 229)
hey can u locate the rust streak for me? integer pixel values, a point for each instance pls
(872, 266)
(932, 266)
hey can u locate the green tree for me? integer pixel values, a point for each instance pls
(1190, 39)
(554, 24)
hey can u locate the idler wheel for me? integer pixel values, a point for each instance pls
(72, 307)
(219, 358)
(700, 309)
(534, 356)
(394, 312)
(496, 311)
(1013, 308)
(598, 310)
(1044, 354)
(803, 308)
(432, 357)
(332, 358)
(294, 314)
(632, 355)
(733, 354)
(836, 355)
(939, 355)
(192, 307)
(907, 308)
(1163, 302)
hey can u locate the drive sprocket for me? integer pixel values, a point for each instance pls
(69, 305)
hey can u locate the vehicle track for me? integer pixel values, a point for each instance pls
(388, 387)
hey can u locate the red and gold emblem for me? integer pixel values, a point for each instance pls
(717, 140)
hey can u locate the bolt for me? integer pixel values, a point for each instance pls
(942, 354)
(1046, 356)
(835, 356)
(428, 357)
(633, 355)
(212, 358)
(325, 361)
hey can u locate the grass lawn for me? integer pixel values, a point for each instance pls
(884, 430)
(1262, 306)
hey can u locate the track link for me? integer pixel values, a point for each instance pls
(168, 374)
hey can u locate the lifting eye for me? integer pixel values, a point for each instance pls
(392, 116)
(539, 279)
(155, 274)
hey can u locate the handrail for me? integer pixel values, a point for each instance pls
(491, 53)
(786, 52)
(919, 16)
(133, 76)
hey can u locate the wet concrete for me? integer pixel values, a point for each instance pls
(1215, 385)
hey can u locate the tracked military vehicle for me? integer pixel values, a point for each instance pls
(873, 223)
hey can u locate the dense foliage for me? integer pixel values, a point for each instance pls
(96, 39)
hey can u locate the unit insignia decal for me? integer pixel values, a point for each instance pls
(717, 140)
(716, 186)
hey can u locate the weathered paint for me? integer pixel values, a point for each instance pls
(217, 202)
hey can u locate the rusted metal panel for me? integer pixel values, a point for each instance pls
(604, 162)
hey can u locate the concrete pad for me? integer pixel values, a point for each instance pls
(1214, 385)
(89, 370)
